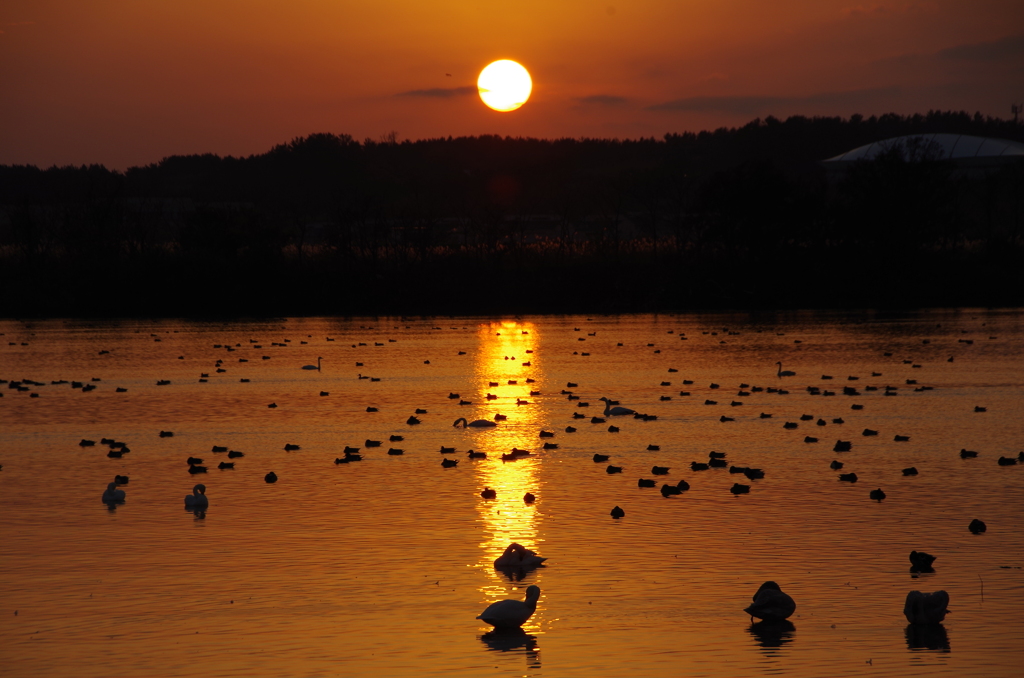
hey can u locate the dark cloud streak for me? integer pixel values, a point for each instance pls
(440, 92)
(601, 100)
(753, 105)
(997, 50)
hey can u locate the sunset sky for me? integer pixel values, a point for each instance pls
(127, 82)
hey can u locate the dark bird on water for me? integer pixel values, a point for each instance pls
(660, 470)
(771, 604)
(270, 477)
(613, 469)
(926, 608)
(921, 559)
(529, 498)
(449, 463)
(877, 495)
(488, 493)
(698, 466)
(848, 477)
(600, 457)
(643, 482)
(977, 526)
(617, 512)
(740, 489)
(836, 465)
(910, 471)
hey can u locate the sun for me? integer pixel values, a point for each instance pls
(504, 85)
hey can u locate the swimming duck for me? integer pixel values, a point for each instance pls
(770, 603)
(511, 614)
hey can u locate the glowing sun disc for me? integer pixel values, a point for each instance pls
(504, 85)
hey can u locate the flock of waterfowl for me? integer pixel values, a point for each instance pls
(770, 603)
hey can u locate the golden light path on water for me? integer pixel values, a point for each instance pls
(505, 373)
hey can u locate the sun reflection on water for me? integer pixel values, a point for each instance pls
(506, 373)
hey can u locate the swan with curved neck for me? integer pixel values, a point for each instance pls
(609, 410)
(313, 367)
(476, 423)
(782, 372)
(198, 498)
(112, 495)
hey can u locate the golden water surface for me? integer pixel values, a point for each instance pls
(379, 567)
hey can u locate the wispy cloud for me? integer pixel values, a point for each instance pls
(601, 100)
(439, 92)
(1006, 48)
(752, 105)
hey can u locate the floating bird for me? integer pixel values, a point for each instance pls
(518, 557)
(112, 495)
(198, 498)
(670, 490)
(615, 411)
(783, 373)
(529, 498)
(313, 367)
(478, 423)
(660, 470)
(599, 458)
(771, 604)
(476, 455)
(698, 466)
(926, 608)
(226, 464)
(488, 493)
(877, 495)
(645, 483)
(121, 480)
(739, 489)
(842, 446)
(921, 559)
(977, 526)
(511, 614)
(617, 513)
(412, 421)
(910, 471)
(395, 452)
(683, 486)
(848, 477)
(270, 477)
(613, 469)
(1007, 461)
(194, 469)
(836, 465)
(449, 463)
(234, 454)
(289, 447)
(967, 454)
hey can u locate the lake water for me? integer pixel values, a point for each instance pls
(379, 567)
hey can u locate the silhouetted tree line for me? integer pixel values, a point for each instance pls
(741, 217)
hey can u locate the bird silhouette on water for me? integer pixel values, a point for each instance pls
(771, 604)
(506, 615)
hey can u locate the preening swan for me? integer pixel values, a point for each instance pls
(112, 495)
(511, 614)
(313, 367)
(770, 603)
(198, 498)
(608, 409)
(478, 423)
(518, 557)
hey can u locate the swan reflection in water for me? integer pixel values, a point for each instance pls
(927, 637)
(507, 640)
(772, 634)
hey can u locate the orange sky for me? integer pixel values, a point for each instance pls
(127, 82)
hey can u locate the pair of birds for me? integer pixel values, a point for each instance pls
(509, 615)
(771, 604)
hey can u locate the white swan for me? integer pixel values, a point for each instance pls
(518, 557)
(478, 423)
(511, 614)
(608, 409)
(198, 498)
(112, 495)
(782, 372)
(313, 367)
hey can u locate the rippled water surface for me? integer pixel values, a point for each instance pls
(381, 566)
